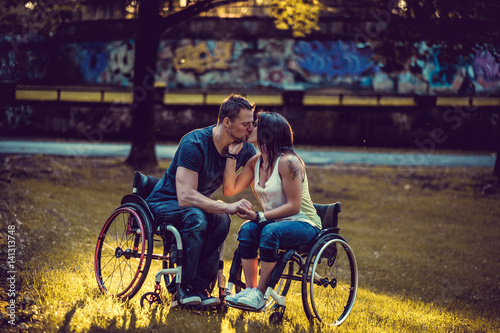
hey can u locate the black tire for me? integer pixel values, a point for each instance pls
(123, 253)
(329, 288)
(150, 298)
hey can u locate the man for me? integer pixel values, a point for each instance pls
(181, 197)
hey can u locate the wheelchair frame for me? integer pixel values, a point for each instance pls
(125, 245)
(124, 252)
(326, 265)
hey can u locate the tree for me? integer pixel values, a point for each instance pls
(459, 27)
(299, 16)
(396, 30)
(41, 17)
(151, 25)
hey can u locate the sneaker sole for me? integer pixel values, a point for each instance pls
(246, 305)
(231, 301)
(247, 308)
(194, 300)
(210, 302)
(243, 304)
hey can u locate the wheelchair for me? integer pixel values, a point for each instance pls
(125, 247)
(326, 268)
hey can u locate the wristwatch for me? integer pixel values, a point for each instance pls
(232, 156)
(259, 217)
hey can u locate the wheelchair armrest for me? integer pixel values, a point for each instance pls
(328, 214)
(143, 185)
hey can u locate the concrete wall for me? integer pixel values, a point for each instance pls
(79, 85)
(419, 127)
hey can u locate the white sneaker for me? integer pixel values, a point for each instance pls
(233, 299)
(254, 299)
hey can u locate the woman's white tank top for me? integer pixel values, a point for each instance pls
(272, 195)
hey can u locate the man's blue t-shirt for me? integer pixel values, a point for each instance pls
(197, 152)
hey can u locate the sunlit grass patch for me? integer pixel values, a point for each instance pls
(425, 239)
(380, 313)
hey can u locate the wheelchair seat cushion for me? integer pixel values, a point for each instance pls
(328, 214)
(144, 185)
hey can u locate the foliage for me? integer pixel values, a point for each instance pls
(41, 17)
(300, 16)
(425, 239)
(396, 28)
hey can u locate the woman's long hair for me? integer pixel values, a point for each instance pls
(274, 135)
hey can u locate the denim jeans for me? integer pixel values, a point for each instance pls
(271, 236)
(202, 234)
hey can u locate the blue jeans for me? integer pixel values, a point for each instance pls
(271, 236)
(202, 234)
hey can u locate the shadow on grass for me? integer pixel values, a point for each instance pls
(69, 315)
(128, 323)
(424, 237)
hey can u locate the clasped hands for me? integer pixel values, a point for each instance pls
(243, 208)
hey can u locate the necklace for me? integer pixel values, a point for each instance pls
(265, 169)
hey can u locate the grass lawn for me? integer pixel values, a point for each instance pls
(427, 243)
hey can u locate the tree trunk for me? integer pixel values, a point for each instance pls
(142, 154)
(150, 27)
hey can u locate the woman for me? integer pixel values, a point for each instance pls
(279, 181)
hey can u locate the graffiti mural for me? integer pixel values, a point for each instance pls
(93, 61)
(486, 71)
(204, 56)
(18, 115)
(333, 58)
(444, 73)
(281, 64)
(120, 68)
(23, 61)
(98, 62)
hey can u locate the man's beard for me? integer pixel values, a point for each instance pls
(242, 139)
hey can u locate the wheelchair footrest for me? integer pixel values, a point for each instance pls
(245, 308)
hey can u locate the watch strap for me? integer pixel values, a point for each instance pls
(232, 156)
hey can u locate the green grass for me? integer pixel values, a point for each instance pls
(425, 239)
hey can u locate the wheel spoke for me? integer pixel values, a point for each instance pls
(332, 268)
(116, 273)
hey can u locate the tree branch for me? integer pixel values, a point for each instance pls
(192, 11)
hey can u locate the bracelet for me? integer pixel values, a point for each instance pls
(232, 156)
(260, 217)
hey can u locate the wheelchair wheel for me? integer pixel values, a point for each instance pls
(123, 253)
(330, 285)
(149, 298)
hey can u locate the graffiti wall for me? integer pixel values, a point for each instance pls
(21, 63)
(107, 63)
(283, 64)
